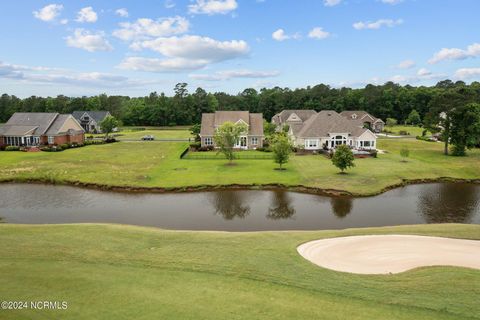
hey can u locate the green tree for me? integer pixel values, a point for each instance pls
(108, 125)
(404, 153)
(269, 128)
(343, 158)
(413, 118)
(391, 122)
(195, 131)
(281, 148)
(227, 136)
(465, 128)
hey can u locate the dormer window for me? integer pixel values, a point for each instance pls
(354, 116)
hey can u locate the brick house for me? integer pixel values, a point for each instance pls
(251, 139)
(34, 129)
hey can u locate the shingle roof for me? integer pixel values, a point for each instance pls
(57, 124)
(360, 116)
(33, 123)
(31, 119)
(282, 117)
(326, 122)
(98, 116)
(212, 120)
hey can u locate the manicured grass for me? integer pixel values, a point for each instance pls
(412, 130)
(140, 164)
(128, 134)
(123, 272)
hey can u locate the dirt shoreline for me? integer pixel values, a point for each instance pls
(271, 186)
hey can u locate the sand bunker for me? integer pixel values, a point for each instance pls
(390, 253)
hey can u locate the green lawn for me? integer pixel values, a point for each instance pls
(128, 134)
(123, 272)
(139, 164)
(412, 130)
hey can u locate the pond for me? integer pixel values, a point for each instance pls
(240, 210)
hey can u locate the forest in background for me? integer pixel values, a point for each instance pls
(185, 107)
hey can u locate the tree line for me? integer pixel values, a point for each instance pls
(389, 100)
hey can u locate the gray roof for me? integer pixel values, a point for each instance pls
(212, 120)
(326, 122)
(282, 117)
(360, 116)
(21, 121)
(34, 123)
(98, 116)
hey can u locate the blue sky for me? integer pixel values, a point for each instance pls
(135, 47)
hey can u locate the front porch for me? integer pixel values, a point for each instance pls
(19, 141)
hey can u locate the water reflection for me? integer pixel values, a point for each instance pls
(341, 206)
(441, 203)
(230, 204)
(281, 207)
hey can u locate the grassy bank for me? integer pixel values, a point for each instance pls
(122, 272)
(157, 165)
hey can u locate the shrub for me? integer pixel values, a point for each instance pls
(65, 146)
(403, 133)
(195, 145)
(12, 148)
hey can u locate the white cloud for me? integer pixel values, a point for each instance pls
(45, 75)
(230, 74)
(280, 35)
(423, 72)
(144, 28)
(161, 65)
(392, 1)
(184, 53)
(212, 7)
(49, 12)
(169, 4)
(467, 73)
(87, 15)
(406, 64)
(122, 12)
(196, 47)
(331, 3)
(318, 33)
(90, 41)
(472, 51)
(377, 24)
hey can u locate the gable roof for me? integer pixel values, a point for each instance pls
(36, 123)
(210, 121)
(361, 115)
(98, 116)
(25, 121)
(283, 116)
(326, 122)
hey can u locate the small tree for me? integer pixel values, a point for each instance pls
(343, 158)
(404, 153)
(269, 128)
(108, 125)
(414, 118)
(195, 131)
(227, 136)
(391, 122)
(281, 147)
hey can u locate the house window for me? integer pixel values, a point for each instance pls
(354, 116)
(208, 141)
(254, 140)
(311, 144)
(51, 140)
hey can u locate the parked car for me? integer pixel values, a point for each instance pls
(148, 138)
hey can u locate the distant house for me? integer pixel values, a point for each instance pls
(33, 129)
(363, 118)
(90, 120)
(326, 130)
(251, 139)
(288, 117)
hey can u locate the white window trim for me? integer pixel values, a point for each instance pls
(312, 144)
(208, 141)
(51, 139)
(255, 141)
